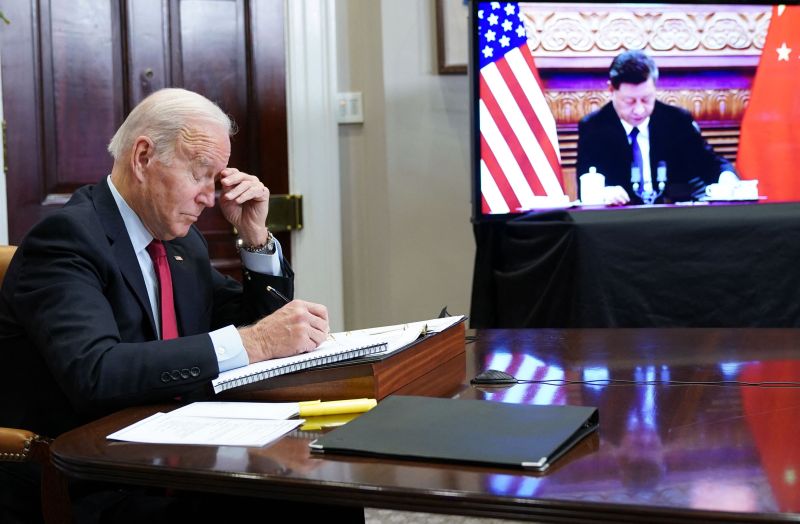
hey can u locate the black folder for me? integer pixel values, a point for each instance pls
(473, 431)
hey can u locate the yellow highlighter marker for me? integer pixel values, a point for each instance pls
(316, 408)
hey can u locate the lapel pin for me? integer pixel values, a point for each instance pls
(179, 258)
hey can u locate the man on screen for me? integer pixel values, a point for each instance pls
(634, 130)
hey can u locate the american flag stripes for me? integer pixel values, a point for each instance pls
(527, 367)
(519, 160)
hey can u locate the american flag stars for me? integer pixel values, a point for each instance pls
(500, 27)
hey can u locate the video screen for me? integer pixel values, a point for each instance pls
(612, 105)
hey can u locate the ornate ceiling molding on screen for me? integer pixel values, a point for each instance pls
(705, 104)
(586, 35)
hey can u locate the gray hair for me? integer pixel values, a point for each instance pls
(162, 116)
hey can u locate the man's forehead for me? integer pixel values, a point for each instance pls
(205, 146)
(645, 88)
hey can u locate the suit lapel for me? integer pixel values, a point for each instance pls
(108, 214)
(624, 152)
(620, 150)
(657, 141)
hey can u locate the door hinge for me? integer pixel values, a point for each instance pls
(285, 212)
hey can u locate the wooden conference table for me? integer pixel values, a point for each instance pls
(663, 453)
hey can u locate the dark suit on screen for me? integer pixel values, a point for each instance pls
(674, 138)
(77, 334)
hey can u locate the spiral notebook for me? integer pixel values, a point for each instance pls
(327, 353)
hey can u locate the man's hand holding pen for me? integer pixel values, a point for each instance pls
(297, 327)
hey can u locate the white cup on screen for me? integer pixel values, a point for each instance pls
(746, 190)
(720, 191)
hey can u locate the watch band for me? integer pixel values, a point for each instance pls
(267, 248)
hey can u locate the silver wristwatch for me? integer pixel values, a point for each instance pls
(267, 248)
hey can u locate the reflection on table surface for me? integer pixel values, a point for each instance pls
(721, 447)
(660, 448)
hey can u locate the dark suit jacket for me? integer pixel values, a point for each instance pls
(77, 335)
(691, 163)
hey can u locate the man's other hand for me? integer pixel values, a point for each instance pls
(244, 202)
(615, 196)
(297, 327)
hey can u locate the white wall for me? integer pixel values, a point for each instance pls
(408, 245)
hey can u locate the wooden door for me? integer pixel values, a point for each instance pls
(73, 70)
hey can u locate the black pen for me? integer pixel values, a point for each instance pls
(277, 294)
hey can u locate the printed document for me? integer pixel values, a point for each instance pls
(215, 424)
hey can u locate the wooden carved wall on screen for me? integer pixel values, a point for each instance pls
(707, 56)
(689, 32)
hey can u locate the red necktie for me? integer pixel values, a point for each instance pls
(169, 325)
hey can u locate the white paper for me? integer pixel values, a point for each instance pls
(245, 410)
(401, 335)
(169, 428)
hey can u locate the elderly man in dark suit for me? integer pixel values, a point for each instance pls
(634, 129)
(112, 301)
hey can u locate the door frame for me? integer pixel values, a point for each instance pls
(313, 138)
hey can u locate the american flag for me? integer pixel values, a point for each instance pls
(520, 162)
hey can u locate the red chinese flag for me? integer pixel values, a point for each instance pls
(773, 415)
(769, 146)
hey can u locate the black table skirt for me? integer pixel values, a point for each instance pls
(664, 266)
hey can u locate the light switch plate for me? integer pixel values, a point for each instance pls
(350, 108)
